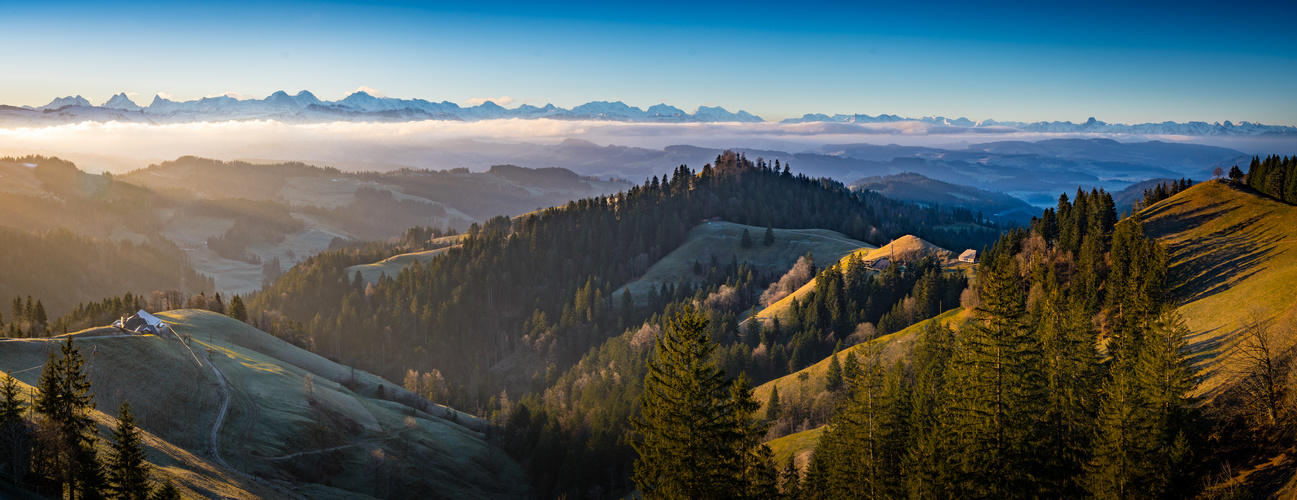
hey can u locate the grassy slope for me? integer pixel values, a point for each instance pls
(722, 240)
(1233, 253)
(799, 445)
(904, 247)
(392, 266)
(269, 429)
(891, 348)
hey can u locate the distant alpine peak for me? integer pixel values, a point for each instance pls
(121, 101)
(365, 105)
(63, 102)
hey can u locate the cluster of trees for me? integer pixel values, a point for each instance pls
(1162, 191)
(1057, 388)
(696, 435)
(1275, 176)
(26, 319)
(54, 440)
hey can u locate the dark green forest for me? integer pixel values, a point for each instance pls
(1275, 176)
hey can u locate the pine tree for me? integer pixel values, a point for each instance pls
(687, 440)
(1071, 376)
(833, 379)
(755, 461)
(1141, 448)
(790, 479)
(66, 402)
(769, 238)
(237, 309)
(11, 404)
(994, 412)
(861, 450)
(772, 405)
(926, 472)
(128, 472)
(746, 240)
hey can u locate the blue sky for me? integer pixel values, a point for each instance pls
(1119, 62)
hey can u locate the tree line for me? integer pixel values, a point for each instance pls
(1275, 176)
(52, 441)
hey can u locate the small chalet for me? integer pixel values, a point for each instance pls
(880, 264)
(142, 323)
(969, 256)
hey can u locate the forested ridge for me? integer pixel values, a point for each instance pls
(541, 284)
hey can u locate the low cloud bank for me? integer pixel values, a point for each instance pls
(119, 147)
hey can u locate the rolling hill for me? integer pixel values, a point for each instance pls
(903, 249)
(232, 412)
(914, 187)
(721, 240)
(1233, 254)
(807, 384)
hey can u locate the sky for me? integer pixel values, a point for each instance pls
(1129, 62)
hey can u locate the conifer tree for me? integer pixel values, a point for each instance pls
(769, 238)
(687, 438)
(1071, 376)
(833, 379)
(790, 479)
(11, 404)
(66, 402)
(995, 411)
(772, 405)
(237, 309)
(755, 460)
(128, 472)
(926, 472)
(746, 240)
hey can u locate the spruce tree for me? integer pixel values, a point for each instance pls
(11, 404)
(833, 379)
(995, 411)
(772, 405)
(926, 471)
(755, 461)
(687, 438)
(1071, 369)
(66, 402)
(746, 240)
(769, 238)
(128, 472)
(237, 309)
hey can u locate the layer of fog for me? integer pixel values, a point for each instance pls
(120, 147)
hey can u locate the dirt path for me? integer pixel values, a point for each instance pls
(220, 415)
(216, 435)
(371, 440)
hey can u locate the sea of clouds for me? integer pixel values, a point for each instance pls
(120, 147)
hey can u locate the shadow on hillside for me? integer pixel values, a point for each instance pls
(1208, 264)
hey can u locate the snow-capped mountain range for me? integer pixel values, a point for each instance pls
(361, 106)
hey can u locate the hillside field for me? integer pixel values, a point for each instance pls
(1233, 256)
(721, 240)
(232, 412)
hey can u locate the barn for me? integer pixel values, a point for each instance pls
(142, 322)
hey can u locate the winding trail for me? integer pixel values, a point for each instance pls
(216, 434)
